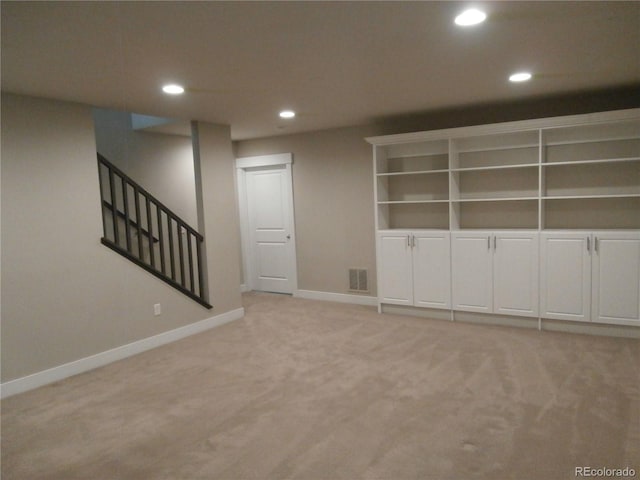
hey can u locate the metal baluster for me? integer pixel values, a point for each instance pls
(127, 218)
(200, 278)
(138, 220)
(161, 239)
(114, 209)
(171, 256)
(152, 259)
(181, 252)
(190, 253)
(102, 200)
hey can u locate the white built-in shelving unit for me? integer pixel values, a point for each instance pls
(573, 174)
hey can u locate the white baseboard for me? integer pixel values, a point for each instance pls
(244, 288)
(337, 297)
(61, 372)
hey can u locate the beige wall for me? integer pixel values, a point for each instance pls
(64, 295)
(219, 220)
(333, 202)
(161, 163)
(333, 177)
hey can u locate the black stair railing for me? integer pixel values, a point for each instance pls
(142, 229)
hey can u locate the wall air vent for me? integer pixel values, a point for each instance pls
(358, 280)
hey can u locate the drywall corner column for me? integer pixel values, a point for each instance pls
(218, 216)
(197, 173)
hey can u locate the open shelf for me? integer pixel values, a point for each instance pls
(496, 184)
(498, 158)
(588, 162)
(434, 215)
(593, 179)
(566, 172)
(419, 157)
(398, 202)
(497, 214)
(592, 142)
(501, 150)
(498, 167)
(592, 213)
(418, 187)
(417, 172)
(592, 150)
(495, 199)
(594, 131)
(419, 164)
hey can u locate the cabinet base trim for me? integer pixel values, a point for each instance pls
(337, 297)
(589, 328)
(585, 328)
(431, 313)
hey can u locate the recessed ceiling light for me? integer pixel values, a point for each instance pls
(287, 114)
(173, 89)
(520, 77)
(470, 17)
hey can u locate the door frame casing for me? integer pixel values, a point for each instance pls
(284, 160)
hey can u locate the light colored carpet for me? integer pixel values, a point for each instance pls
(315, 390)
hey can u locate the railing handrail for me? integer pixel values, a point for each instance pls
(151, 197)
(176, 228)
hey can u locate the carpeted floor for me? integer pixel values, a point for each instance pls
(314, 390)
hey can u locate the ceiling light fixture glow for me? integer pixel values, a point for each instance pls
(520, 77)
(173, 89)
(470, 17)
(287, 114)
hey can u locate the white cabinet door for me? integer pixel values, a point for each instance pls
(616, 278)
(515, 273)
(395, 277)
(432, 269)
(565, 275)
(472, 271)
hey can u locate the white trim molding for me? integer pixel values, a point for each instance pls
(82, 365)
(244, 164)
(337, 297)
(264, 160)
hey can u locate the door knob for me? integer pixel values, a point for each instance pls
(288, 237)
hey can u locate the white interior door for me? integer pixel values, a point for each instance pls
(269, 246)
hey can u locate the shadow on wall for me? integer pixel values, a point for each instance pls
(619, 98)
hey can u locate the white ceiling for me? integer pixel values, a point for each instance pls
(335, 63)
